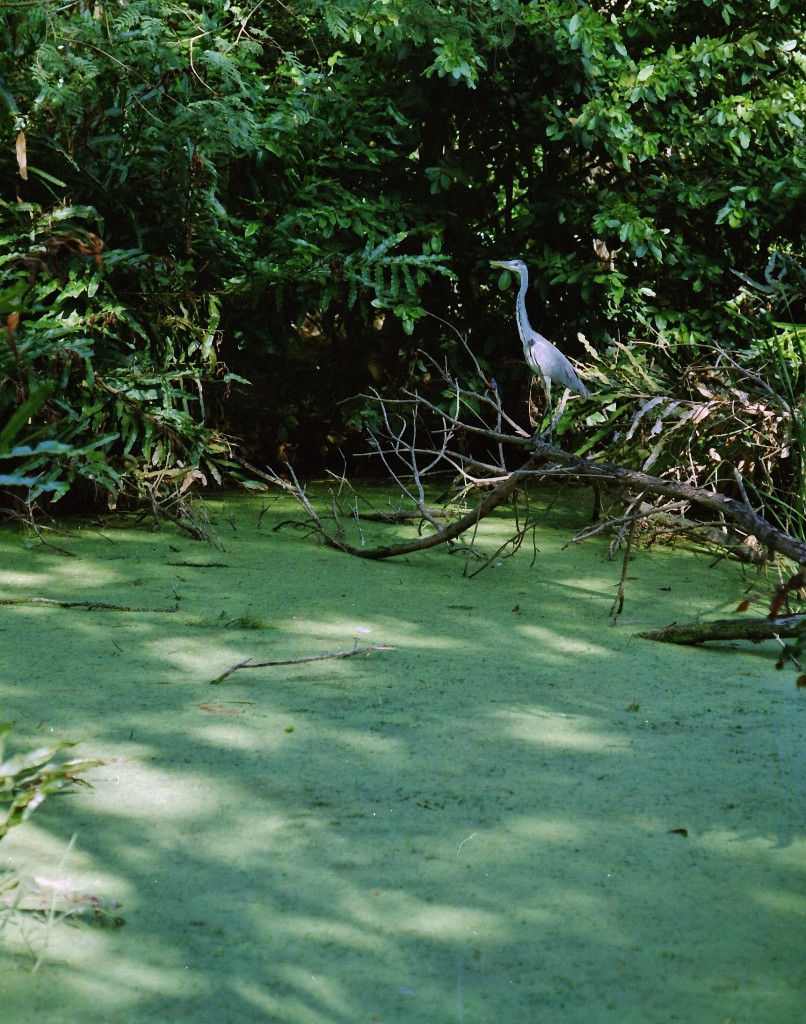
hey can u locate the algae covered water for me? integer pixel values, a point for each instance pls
(518, 813)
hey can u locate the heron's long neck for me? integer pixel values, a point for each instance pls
(524, 327)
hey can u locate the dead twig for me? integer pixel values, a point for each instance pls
(618, 602)
(178, 511)
(248, 663)
(89, 605)
(200, 565)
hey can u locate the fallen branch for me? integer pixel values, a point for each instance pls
(737, 511)
(444, 535)
(755, 630)
(248, 663)
(547, 460)
(418, 439)
(200, 565)
(89, 605)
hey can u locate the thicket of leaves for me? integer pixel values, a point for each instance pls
(288, 190)
(104, 366)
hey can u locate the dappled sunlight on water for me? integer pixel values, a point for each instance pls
(551, 645)
(140, 792)
(521, 813)
(32, 580)
(545, 727)
(547, 829)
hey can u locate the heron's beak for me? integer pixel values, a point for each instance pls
(497, 263)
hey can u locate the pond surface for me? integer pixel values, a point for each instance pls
(522, 813)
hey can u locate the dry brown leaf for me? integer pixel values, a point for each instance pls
(22, 156)
(12, 323)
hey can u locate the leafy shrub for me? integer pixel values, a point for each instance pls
(107, 392)
(27, 779)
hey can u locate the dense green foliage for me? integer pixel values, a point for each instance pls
(284, 191)
(104, 364)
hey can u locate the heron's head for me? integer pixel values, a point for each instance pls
(515, 266)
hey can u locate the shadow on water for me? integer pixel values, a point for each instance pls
(519, 814)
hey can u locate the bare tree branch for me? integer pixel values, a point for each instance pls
(737, 512)
(248, 663)
(419, 438)
(88, 605)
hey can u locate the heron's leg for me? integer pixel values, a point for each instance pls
(546, 414)
(537, 405)
(559, 413)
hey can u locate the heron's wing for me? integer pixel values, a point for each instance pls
(549, 363)
(536, 338)
(542, 356)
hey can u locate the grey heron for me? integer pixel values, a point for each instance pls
(543, 358)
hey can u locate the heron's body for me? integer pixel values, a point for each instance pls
(544, 359)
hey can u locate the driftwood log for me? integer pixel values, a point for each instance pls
(692, 633)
